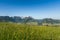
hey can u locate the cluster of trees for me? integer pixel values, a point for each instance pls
(27, 19)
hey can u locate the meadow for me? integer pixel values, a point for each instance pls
(14, 31)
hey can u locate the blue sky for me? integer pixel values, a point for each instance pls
(36, 8)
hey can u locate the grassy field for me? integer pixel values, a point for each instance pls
(13, 31)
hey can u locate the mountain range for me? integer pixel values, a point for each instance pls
(18, 19)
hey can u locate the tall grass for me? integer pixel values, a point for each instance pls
(13, 31)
